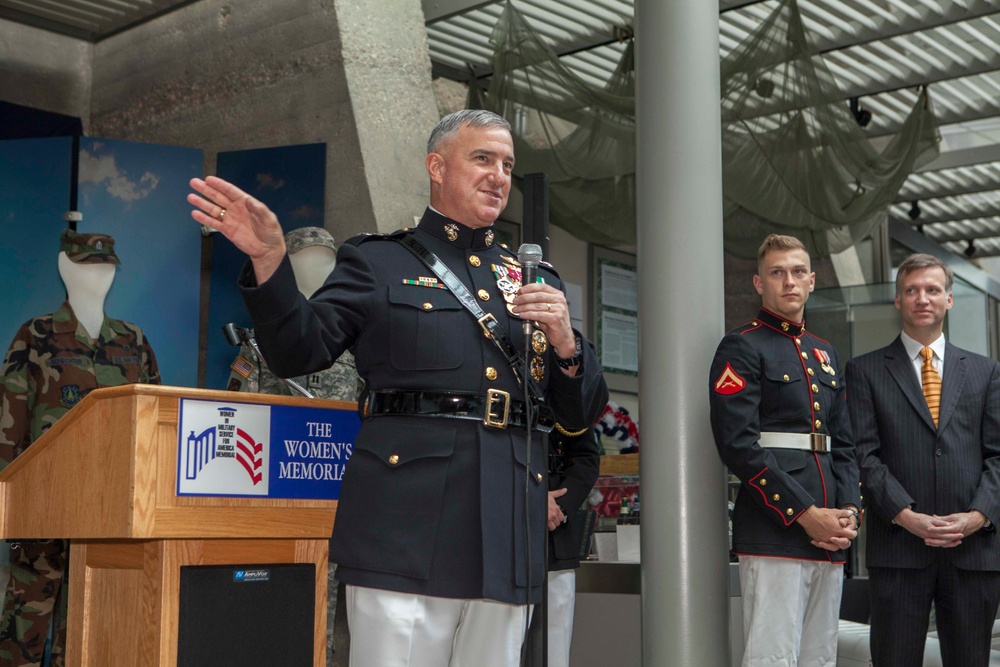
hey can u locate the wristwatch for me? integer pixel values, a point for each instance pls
(577, 357)
(857, 516)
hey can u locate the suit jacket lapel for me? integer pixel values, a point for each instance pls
(899, 365)
(955, 368)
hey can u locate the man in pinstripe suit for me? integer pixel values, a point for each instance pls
(930, 468)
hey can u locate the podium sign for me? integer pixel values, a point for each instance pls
(230, 448)
(147, 480)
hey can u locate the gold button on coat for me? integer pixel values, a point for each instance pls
(491, 373)
(474, 260)
(776, 497)
(763, 482)
(789, 511)
(816, 405)
(833, 382)
(810, 371)
(786, 378)
(484, 295)
(819, 424)
(815, 389)
(394, 459)
(538, 476)
(798, 341)
(428, 305)
(805, 356)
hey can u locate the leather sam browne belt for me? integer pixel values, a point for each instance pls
(811, 442)
(495, 408)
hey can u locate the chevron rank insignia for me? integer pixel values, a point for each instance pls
(729, 382)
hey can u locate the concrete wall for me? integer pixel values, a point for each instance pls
(226, 75)
(44, 70)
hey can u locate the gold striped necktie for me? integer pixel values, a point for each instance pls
(931, 381)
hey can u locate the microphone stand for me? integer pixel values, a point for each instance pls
(543, 620)
(238, 336)
(530, 255)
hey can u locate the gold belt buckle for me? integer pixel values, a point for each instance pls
(496, 417)
(819, 442)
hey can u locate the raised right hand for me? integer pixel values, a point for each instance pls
(247, 222)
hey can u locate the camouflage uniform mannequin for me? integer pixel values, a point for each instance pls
(54, 361)
(339, 382)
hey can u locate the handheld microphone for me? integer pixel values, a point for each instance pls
(529, 255)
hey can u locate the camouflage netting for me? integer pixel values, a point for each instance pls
(581, 135)
(795, 160)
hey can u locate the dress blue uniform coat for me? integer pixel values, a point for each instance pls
(773, 375)
(428, 505)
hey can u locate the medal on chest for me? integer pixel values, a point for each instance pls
(508, 282)
(823, 357)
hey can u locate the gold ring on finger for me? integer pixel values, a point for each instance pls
(222, 214)
(548, 307)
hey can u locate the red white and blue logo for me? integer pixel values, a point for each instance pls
(278, 451)
(225, 449)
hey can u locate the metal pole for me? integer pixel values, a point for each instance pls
(679, 195)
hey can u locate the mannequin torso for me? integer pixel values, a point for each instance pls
(311, 266)
(87, 286)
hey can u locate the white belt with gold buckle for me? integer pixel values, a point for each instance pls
(810, 442)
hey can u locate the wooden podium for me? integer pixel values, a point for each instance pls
(105, 476)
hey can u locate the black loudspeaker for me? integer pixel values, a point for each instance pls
(247, 615)
(535, 188)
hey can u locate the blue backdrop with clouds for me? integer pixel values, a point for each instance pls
(135, 192)
(291, 180)
(34, 194)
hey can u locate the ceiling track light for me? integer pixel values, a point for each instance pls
(970, 250)
(861, 116)
(914, 211)
(763, 86)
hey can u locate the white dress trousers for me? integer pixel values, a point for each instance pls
(562, 602)
(391, 629)
(791, 611)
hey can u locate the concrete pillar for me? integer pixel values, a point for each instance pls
(680, 256)
(223, 75)
(388, 70)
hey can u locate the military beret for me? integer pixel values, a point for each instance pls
(303, 237)
(88, 248)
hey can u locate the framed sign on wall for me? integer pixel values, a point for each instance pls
(615, 316)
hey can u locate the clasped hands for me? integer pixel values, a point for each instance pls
(828, 527)
(941, 531)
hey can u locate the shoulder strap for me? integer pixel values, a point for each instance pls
(491, 327)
